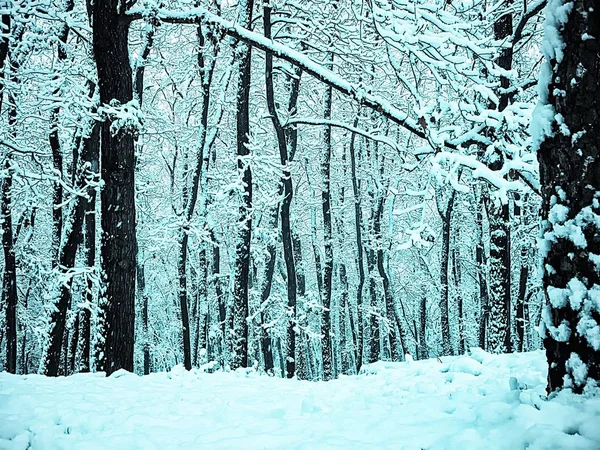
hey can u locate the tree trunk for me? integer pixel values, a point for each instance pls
(286, 182)
(9, 280)
(118, 250)
(570, 190)
(446, 216)
(242, 251)
(66, 260)
(481, 262)
(423, 351)
(499, 335)
(523, 277)
(456, 274)
(301, 356)
(90, 243)
(141, 287)
(9, 285)
(499, 332)
(359, 249)
(328, 242)
(206, 74)
(57, 157)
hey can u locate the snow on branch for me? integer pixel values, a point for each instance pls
(345, 126)
(363, 97)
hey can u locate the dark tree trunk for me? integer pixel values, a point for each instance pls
(266, 343)
(375, 336)
(9, 283)
(200, 314)
(57, 157)
(570, 191)
(359, 248)
(242, 251)
(328, 242)
(456, 274)
(286, 182)
(423, 350)
(396, 331)
(446, 216)
(523, 277)
(499, 330)
(138, 87)
(141, 287)
(118, 224)
(499, 323)
(90, 243)
(301, 356)
(74, 342)
(481, 262)
(66, 260)
(206, 73)
(216, 273)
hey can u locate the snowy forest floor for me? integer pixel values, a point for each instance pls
(480, 401)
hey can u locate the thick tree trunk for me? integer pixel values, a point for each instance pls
(499, 322)
(499, 330)
(118, 224)
(242, 251)
(570, 181)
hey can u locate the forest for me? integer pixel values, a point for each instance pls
(298, 187)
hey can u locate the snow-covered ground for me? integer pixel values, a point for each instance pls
(477, 402)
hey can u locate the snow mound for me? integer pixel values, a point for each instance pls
(480, 401)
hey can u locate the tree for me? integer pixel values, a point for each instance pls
(566, 127)
(121, 122)
(242, 265)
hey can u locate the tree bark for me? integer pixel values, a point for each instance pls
(359, 250)
(9, 283)
(481, 261)
(570, 181)
(286, 182)
(57, 157)
(328, 241)
(499, 332)
(90, 244)
(242, 251)
(446, 216)
(66, 260)
(118, 221)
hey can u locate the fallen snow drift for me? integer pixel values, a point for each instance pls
(482, 401)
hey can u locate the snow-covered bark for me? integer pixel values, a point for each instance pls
(567, 128)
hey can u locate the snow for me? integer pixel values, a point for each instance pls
(478, 401)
